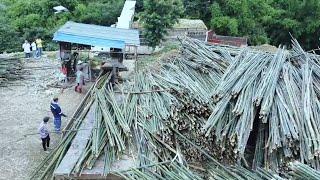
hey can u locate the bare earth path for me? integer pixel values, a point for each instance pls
(22, 108)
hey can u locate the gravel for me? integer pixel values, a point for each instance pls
(23, 104)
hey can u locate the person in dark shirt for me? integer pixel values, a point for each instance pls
(57, 113)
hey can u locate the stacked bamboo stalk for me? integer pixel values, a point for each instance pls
(274, 96)
(210, 104)
(190, 79)
(160, 171)
(302, 171)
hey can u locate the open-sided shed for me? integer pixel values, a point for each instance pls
(94, 35)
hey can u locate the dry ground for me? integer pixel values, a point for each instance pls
(22, 108)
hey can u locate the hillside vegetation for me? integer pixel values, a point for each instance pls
(262, 21)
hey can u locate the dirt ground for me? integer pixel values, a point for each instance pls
(23, 104)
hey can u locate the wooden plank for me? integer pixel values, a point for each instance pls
(79, 109)
(77, 146)
(125, 162)
(90, 177)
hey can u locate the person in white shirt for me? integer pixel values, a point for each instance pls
(80, 80)
(44, 133)
(26, 49)
(34, 49)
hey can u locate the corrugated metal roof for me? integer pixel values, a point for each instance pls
(95, 35)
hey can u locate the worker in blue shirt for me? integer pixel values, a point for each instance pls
(57, 113)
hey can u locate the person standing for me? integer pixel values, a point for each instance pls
(44, 133)
(80, 80)
(34, 49)
(26, 49)
(57, 113)
(39, 46)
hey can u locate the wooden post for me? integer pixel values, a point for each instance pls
(135, 59)
(60, 49)
(123, 54)
(90, 74)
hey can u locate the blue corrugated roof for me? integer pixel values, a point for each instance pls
(95, 35)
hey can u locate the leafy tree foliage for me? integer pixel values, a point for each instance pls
(158, 17)
(300, 18)
(242, 18)
(103, 13)
(28, 19)
(262, 21)
(198, 9)
(8, 37)
(268, 21)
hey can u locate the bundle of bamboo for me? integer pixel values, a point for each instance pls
(302, 171)
(210, 104)
(272, 97)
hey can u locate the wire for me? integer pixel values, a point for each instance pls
(71, 130)
(31, 134)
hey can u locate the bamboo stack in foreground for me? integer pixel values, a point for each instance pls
(243, 115)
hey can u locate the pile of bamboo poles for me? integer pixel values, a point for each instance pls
(302, 171)
(220, 106)
(272, 98)
(189, 80)
(10, 69)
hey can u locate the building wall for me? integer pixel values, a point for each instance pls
(227, 40)
(199, 34)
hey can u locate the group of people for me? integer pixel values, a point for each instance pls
(57, 113)
(56, 109)
(34, 49)
(44, 130)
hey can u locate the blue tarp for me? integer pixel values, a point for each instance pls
(88, 40)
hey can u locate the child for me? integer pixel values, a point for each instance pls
(44, 133)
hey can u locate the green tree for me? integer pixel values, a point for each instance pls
(9, 39)
(27, 19)
(242, 18)
(298, 17)
(198, 9)
(158, 17)
(98, 12)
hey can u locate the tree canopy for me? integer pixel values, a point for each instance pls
(262, 21)
(268, 21)
(28, 19)
(158, 17)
